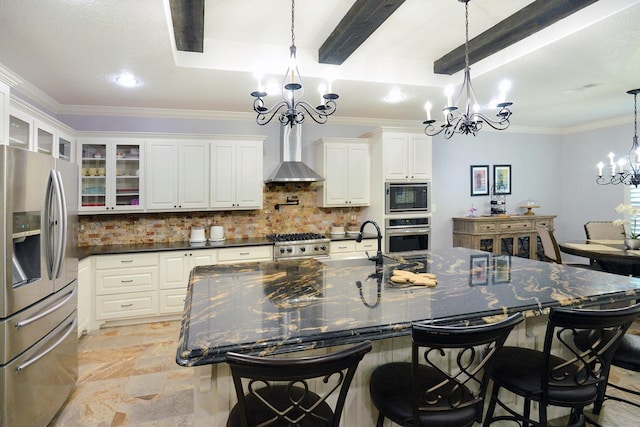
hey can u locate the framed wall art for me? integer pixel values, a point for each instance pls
(480, 180)
(502, 179)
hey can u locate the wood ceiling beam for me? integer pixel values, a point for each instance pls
(529, 20)
(187, 17)
(364, 17)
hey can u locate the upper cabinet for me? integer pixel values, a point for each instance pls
(345, 165)
(5, 94)
(236, 174)
(177, 175)
(407, 157)
(30, 129)
(111, 176)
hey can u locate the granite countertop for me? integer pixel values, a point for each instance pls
(285, 306)
(85, 251)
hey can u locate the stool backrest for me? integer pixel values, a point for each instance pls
(296, 374)
(590, 363)
(461, 356)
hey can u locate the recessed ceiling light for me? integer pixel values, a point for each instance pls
(127, 79)
(394, 96)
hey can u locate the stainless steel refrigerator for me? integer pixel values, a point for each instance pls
(38, 296)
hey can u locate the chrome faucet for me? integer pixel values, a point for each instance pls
(378, 257)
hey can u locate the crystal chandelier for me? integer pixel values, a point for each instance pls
(628, 169)
(469, 121)
(292, 109)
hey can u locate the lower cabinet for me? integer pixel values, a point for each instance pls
(343, 249)
(143, 286)
(175, 267)
(126, 286)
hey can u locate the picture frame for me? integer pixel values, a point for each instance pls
(479, 270)
(502, 269)
(502, 179)
(479, 180)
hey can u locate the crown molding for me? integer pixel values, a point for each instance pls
(616, 121)
(9, 77)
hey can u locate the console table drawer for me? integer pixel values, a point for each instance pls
(516, 226)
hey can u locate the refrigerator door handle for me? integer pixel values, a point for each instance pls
(49, 223)
(61, 236)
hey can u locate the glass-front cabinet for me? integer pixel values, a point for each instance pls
(65, 147)
(45, 138)
(111, 178)
(20, 129)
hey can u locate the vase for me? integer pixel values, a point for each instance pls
(632, 244)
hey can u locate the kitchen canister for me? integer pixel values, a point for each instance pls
(216, 234)
(197, 234)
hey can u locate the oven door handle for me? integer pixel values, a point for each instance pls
(392, 231)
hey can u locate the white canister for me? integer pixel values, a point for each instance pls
(197, 234)
(216, 232)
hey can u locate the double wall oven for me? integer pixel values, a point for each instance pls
(408, 217)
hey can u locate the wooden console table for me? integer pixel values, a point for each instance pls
(503, 235)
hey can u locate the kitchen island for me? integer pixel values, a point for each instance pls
(309, 306)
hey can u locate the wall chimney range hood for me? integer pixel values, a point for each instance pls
(291, 168)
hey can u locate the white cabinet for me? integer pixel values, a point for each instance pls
(236, 174)
(112, 179)
(407, 156)
(20, 129)
(126, 286)
(245, 254)
(66, 145)
(345, 164)
(177, 175)
(175, 267)
(85, 285)
(345, 249)
(45, 138)
(5, 95)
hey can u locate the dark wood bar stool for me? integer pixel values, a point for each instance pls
(627, 356)
(425, 392)
(277, 391)
(561, 374)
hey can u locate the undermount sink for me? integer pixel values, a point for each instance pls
(349, 262)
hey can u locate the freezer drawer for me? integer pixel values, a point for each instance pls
(27, 327)
(32, 391)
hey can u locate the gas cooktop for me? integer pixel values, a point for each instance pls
(300, 245)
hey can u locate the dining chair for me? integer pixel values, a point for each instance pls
(561, 374)
(604, 230)
(627, 356)
(552, 250)
(445, 382)
(281, 392)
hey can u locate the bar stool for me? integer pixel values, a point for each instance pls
(627, 356)
(562, 374)
(277, 391)
(426, 391)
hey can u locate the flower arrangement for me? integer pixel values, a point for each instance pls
(632, 212)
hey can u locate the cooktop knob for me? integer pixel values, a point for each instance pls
(303, 249)
(281, 250)
(289, 250)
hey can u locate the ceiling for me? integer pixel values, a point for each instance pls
(570, 74)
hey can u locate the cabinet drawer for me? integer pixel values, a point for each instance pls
(485, 226)
(126, 280)
(126, 261)
(368, 245)
(516, 225)
(243, 254)
(545, 223)
(172, 300)
(127, 305)
(344, 246)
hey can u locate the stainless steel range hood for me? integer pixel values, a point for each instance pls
(291, 168)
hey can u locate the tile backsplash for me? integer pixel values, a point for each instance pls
(176, 226)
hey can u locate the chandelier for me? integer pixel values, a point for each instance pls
(628, 170)
(292, 109)
(469, 121)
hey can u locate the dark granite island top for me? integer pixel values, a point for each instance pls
(285, 306)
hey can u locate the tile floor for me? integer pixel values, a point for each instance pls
(128, 377)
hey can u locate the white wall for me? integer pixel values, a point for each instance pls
(536, 170)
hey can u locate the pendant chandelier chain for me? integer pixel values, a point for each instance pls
(293, 35)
